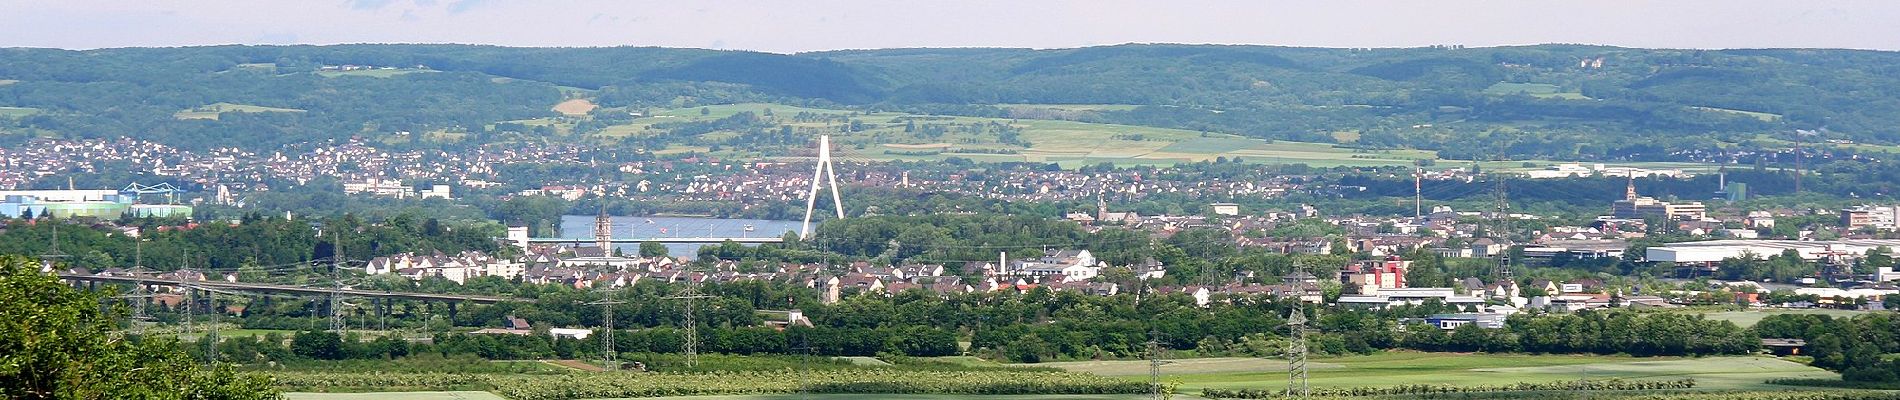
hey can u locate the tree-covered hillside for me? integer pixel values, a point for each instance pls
(1558, 101)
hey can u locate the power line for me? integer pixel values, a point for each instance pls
(692, 325)
(607, 304)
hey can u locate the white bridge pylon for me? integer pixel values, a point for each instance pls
(830, 173)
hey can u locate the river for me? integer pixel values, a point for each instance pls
(582, 226)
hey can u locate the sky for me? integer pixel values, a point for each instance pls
(812, 25)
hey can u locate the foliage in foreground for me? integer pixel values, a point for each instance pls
(56, 343)
(1598, 385)
(1834, 383)
(630, 384)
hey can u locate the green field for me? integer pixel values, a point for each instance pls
(395, 396)
(1071, 107)
(1069, 143)
(489, 396)
(16, 112)
(211, 111)
(1758, 115)
(1399, 368)
(373, 73)
(1539, 90)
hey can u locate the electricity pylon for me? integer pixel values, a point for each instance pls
(692, 325)
(830, 173)
(1296, 355)
(606, 304)
(1154, 366)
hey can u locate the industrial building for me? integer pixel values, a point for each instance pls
(1713, 251)
(73, 203)
(1877, 217)
(1638, 207)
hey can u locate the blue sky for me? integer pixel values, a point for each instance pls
(807, 25)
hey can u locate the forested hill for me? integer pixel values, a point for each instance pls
(1550, 100)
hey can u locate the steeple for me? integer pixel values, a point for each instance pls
(604, 229)
(1630, 192)
(1101, 208)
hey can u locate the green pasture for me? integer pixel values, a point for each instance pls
(883, 137)
(372, 73)
(1758, 115)
(1400, 368)
(212, 110)
(17, 112)
(1072, 107)
(1540, 90)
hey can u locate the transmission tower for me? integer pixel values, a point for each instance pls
(1296, 355)
(1502, 221)
(336, 294)
(830, 173)
(1154, 366)
(52, 252)
(692, 325)
(606, 304)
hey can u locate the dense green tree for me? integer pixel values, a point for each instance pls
(58, 344)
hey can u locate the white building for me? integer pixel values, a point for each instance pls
(1713, 251)
(379, 187)
(1410, 296)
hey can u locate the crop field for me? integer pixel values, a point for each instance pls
(1758, 115)
(575, 107)
(1540, 90)
(16, 112)
(211, 111)
(1400, 368)
(884, 136)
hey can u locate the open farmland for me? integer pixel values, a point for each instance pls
(212, 111)
(575, 107)
(1539, 90)
(1403, 368)
(16, 112)
(903, 136)
(372, 73)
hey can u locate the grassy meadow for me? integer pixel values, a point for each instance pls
(1069, 143)
(1400, 368)
(17, 112)
(1539, 90)
(211, 111)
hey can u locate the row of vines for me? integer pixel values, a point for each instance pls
(612, 385)
(1596, 385)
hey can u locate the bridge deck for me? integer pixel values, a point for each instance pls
(265, 287)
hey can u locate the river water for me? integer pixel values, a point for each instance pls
(582, 226)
